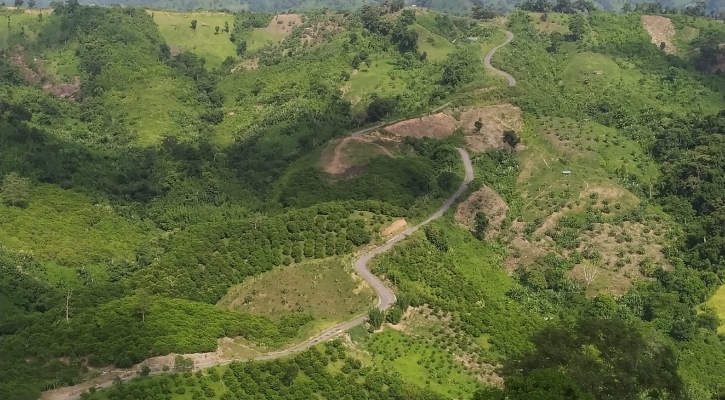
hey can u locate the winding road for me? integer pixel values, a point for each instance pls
(487, 60)
(385, 296)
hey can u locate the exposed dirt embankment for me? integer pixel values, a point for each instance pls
(32, 72)
(661, 30)
(494, 121)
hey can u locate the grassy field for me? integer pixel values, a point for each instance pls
(436, 46)
(717, 301)
(261, 36)
(326, 289)
(68, 228)
(591, 72)
(204, 42)
(592, 153)
(381, 78)
(421, 363)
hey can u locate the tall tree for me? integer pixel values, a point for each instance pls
(480, 225)
(375, 318)
(511, 138)
(578, 26)
(142, 303)
(605, 359)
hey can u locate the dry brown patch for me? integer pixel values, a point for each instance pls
(487, 201)
(175, 50)
(395, 227)
(335, 161)
(433, 126)
(283, 23)
(495, 119)
(661, 30)
(525, 252)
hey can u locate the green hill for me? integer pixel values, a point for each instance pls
(169, 189)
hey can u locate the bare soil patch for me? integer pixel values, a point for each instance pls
(487, 201)
(661, 30)
(283, 23)
(336, 161)
(495, 119)
(175, 50)
(525, 252)
(395, 227)
(433, 126)
(35, 76)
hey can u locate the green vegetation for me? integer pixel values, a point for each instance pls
(420, 363)
(326, 290)
(327, 371)
(166, 186)
(204, 41)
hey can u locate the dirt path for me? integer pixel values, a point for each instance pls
(386, 298)
(487, 60)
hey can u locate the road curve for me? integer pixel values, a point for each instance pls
(487, 60)
(385, 298)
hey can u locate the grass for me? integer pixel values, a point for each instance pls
(69, 228)
(591, 151)
(580, 77)
(156, 110)
(381, 78)
(554, 23)
(437, 47)
(262, 36)
(176, 31)
(717, 301)
(421, 363)
(325, 289)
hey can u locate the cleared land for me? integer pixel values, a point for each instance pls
(495, 120)
(280, 27)
(487, 201)
(435, 46)
(661, 30)
(555, 205)
(176, 30)
(327, 290)
(380, 77)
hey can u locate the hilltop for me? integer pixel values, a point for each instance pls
(190, 202)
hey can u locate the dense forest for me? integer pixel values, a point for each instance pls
(141, 182)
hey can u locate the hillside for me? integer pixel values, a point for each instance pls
(447, 6)
(357, 204)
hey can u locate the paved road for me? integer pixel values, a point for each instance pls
(487, 60)
(385, 297)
